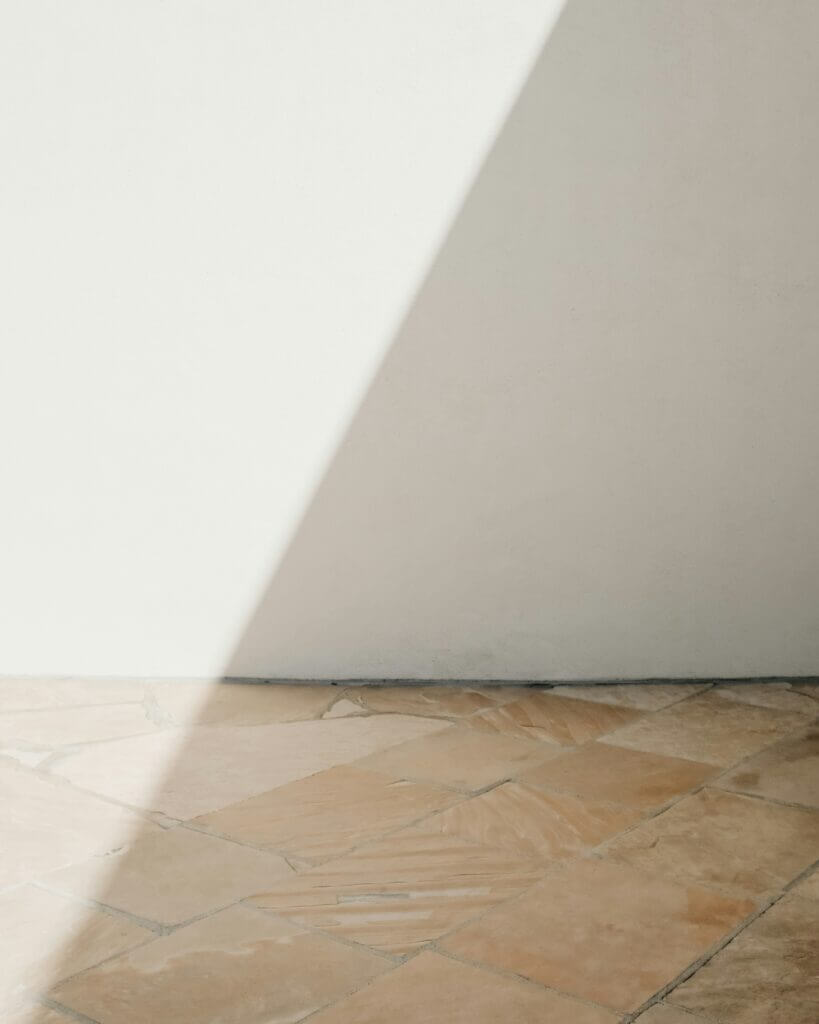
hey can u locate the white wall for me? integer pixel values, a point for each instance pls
(269, 407)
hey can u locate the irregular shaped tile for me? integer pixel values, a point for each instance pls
(238, 966)
(432, 989)
(172, 876)
(238, 703)
(716, 838)
(601, 931)
(402, 891)
(769, 974)
(661, 1013)
(531, 823)
(36, 694)
(809, 888)
(788, 771)
(641, 696)
(768, 695)
(46, 825)
(62, 726)
(459, 757)
(344, 707)
(443, 701)
(48, 937)
(809, 689)
(562, 720)
(36, 1014)
(631, 777)
(327, 814)
(187, 772)
(709, 728)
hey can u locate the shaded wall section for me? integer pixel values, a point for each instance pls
(591, 448)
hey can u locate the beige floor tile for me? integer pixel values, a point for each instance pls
(238, 966)
(235, 703)
(788, 771)
(460, 757)
(58, 727)
(172, 876)
(37, 694)
(402, 891)
(768, 695)
(45, 825)
(809, 689)
(47, 937)
(432, 989)
(187, 772)
(631, 777)
(344, 707)
(35, 1014)
(809, 888)
(601, 931)
(661, 1013)
(710, 729)
(740, 843)
(442, 701)
(641, 696)
(532, 823)
(327, 814)
(769, 974)
(564, 720)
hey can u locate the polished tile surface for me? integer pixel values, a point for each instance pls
(251, 854)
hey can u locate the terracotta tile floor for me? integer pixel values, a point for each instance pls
(250, 854)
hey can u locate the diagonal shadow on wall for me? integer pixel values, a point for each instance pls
(499, 480)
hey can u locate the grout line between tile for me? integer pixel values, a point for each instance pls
(718, 946)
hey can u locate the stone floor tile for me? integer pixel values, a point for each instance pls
(327, 814)
(710, 729)
(768, 695)
(344, 707)
(45, 825)
(238, 966)
(532, 823)
(809, 689)
(171, 876)
(460, 757)
(36, 694)
(442, 701)
(563, 720)
(641, 696)
(237, 703)
(635, 778)
(187, 772)
(403, 891)
(601, 931)
(787, 771)
(662, 1013)
(47, 937)
(808, 889)
(433, 989)
(59, 727)
(35, 1014)
(736, 842)
(769, 974)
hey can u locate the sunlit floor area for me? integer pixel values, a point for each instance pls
(251, 854)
